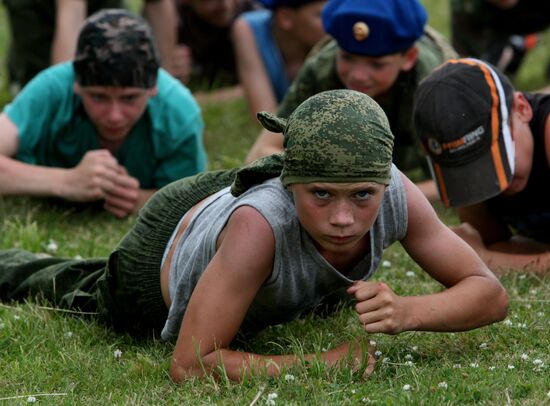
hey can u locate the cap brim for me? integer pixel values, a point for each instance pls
(475, 182)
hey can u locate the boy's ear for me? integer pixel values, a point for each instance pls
(152, 92)
(522, 108)
(411, 56)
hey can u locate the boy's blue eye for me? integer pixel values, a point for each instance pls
(362, 195)
(321, 194)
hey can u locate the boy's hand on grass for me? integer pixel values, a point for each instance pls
(358, 353)
(89, 180)
(380, 309)
(122, 197)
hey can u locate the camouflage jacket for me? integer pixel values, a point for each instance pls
(319, 74)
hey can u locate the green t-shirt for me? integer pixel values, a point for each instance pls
(319, 74)
(54, 130)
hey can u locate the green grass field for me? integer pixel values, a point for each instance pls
(54, 357)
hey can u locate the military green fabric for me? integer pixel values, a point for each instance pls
(257, 172)
(124, 290)
(116, 48)
(32, 26)
(319, 74)
(335, 136)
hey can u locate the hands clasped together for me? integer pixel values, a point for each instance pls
(100, 176)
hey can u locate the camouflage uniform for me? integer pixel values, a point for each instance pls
(482, 30)
(319, 74)
(32, 26)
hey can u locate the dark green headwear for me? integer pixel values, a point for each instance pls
(335, 136)
(116, 48)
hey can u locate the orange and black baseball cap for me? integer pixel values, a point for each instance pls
(462, 116)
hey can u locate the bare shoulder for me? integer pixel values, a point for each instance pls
(247, 232)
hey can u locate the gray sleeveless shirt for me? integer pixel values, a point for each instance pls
(301, 277)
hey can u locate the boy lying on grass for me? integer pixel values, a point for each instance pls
(205, 260)
(489, 147)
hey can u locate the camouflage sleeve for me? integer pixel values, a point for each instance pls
(316, 75)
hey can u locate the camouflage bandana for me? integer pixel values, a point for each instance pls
(338, 136)
(116, 48)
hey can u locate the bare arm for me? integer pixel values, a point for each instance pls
(267, 143)
(221, 299)
(495, 244)
(70, 14)
(162, 17)
(97, 176)
(252, 73)
(473, 298)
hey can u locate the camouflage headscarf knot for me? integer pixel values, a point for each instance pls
(335, 136)
(116, 48)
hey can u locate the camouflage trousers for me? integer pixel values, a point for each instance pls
(124, 289)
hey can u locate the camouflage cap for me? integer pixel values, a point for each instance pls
(116, 48)
(335, 136)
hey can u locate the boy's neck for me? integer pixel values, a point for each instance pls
(345, 262)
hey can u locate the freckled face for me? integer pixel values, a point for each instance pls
(114, 110)
(371, 75)
(337, 215)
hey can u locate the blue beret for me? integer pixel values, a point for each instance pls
(374, 27)
(273, 4)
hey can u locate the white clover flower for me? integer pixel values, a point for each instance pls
(537, 361)
(69, 334)
(548, 394)
(78, 257)
(16, 317)
(271, 398)
(289, 377)
(533, 291)
(492, 368)
(377, 353)
(366, 400)
(372, 342)
(483, 346)
(386, 264)
(540, 314)
(353, 391)
(511, 367)
(524, 357)
(385, 360)
(2, 325)
(408, 356)
(410, 274)
(409, 363)
(52, 246)
(474, 365)
(117, 353)
(414, 348)
(507, 322)
(443, 385)
(457, 366)
(406, 387)
(31, 399)
(522, 276)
